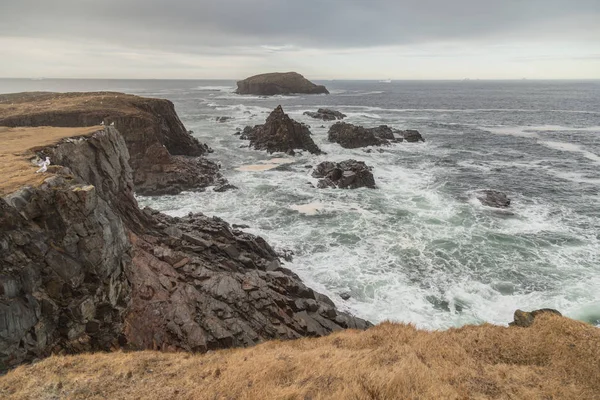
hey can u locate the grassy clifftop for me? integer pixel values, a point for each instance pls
(555, 358)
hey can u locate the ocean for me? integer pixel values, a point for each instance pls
(420, 248)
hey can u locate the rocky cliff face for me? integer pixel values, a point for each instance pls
(64, 248)
(83, 268)
(278, 83)
(163, 154)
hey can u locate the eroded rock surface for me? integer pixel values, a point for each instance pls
(278, 83)
(280, 133)
(348, 174)
(525, 319)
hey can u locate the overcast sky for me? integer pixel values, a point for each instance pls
(322, 39)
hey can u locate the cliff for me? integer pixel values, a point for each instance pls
(555, 358)
(164, 156)
(83, 268)
(278, 83)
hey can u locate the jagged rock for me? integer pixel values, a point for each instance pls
(351, 136)
(278, 83)
(412, 136)
(280, 133)
(349, 174)
(84, 269)
(325, 114)
(493, 198)
(164, 155)
(525, 319)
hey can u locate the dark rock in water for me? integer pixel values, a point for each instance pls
(345, 296)
(280, 133)
(325, 114)
(222, 187)
(493, 198)
(412, 136)
(223, 119)
(349, 174)
(350, 136)
(278, 83)
(240, 226)
(525, 319)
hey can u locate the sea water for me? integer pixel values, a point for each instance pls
(420, 248)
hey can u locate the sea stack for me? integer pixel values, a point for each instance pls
(278, 83)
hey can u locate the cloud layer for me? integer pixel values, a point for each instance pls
(262, 33)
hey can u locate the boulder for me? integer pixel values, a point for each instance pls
(280, 133)
(493, 198)
(278, 83)
(351, 136)
(412, 136)
(349, 174)
(325, 114)
(525, 319)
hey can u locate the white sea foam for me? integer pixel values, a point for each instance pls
(573, 148)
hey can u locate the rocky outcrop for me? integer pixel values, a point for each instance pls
(64, 250)
(525, 319)
(280, 133)
(493, 198)
(351, 136)
(278, 83)
(83, 268)
(349, 174)
(325, 114)
(163, 153)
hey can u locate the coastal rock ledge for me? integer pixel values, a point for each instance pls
(278, 83)
(82, 268)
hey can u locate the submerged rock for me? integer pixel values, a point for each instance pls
(278, 83)
(493, 198)
(325, 114)
(349, 174)
(280, 133)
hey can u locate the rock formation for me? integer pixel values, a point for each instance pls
(278, 83)
(351, 136)
(493, 198)
(83, 268)
(164, 156)
(525, 319)
(349, 174)
(280, 133)
(325, 114)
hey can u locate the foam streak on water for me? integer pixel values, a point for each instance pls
(420, 248)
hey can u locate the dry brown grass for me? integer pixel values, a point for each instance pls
(17, 146)
(556, 358)
(32, 103)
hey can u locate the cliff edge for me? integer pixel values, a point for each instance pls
(278, 83)
(165, 158)
(83, 268)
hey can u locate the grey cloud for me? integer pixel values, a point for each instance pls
(188, 24)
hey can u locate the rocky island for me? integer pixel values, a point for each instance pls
(279, 83)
